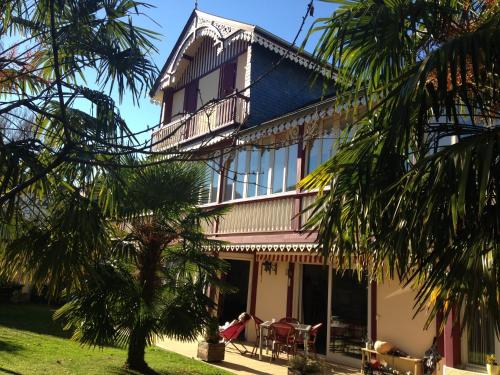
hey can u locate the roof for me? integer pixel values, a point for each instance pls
(224, 31)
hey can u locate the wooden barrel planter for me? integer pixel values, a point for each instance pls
(210, 352)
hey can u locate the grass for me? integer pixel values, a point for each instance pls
(32, 344)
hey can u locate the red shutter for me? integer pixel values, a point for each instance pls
(227, 79)
(168, 97)
(191, 97)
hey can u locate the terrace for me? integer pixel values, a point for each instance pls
(213, 117)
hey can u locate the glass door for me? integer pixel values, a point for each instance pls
(348, 316)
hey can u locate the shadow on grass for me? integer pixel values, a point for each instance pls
(31, 317)
(124, 371)
(7, 371)
(9, 347)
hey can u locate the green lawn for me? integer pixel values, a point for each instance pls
(32, 344)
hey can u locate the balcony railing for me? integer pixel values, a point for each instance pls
(230, 111)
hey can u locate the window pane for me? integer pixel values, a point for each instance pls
(263, 171)
(252, 172)
(240, 174)
(278, 169)
(229, 180)
(215, 182)
(326, 151)
(205, 195)
(481, 340)
(291, 169)
(313, 155)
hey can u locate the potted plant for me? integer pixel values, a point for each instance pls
(211, 349)
(492, 367)
(301, 365)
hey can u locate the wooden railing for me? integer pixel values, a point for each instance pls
(262, 216)
(230, 111)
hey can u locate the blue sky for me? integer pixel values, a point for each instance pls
(281, 17)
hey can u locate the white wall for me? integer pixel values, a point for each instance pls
(177, 104)
(241, 71)
(271, 294)
(395, 322)
(208, 87)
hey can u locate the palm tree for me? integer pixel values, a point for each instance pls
(137, 278)
(56, 57)
(415, 189)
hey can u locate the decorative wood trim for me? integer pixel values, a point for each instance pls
(373, 317)
(440, 333)
(268, 238)
(452, 349)
(232, 58)
(289, 292)
(296, 220)
(255, 276)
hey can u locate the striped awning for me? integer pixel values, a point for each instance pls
(270, 248)
(290, 258)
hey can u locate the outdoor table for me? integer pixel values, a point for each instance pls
(300, 328)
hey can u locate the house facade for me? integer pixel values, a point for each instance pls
(255, 110)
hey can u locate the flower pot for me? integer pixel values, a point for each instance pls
(493, 369)
(209, 352)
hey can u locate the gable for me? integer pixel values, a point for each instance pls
(219, 39)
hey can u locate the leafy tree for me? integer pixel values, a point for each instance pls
(414, 186)
(133, 279)
(51, 52)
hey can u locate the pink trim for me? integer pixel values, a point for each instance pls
(452, 347)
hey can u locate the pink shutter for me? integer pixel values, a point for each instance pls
(191, 97)
(168, 97)
(228, 79)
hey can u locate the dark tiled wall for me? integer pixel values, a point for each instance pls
(289, 87)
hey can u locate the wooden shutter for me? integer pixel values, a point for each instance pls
(168, 98)
(190, 97)
(228, 79)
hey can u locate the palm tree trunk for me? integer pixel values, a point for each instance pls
(136, 350)
(148, 264)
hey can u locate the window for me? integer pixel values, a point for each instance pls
(263, 179)
(236, 169)
(279, 169)
(253, 171)
(313, 155)
(212, 182)
(291, 168)
(259, 171)
(241, 168)
(320, 150)
(480, 340)
(230, 178)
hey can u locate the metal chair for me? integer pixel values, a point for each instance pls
(231, 333)
(311, 341)
(283, 339)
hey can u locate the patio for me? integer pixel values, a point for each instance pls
(244, 364)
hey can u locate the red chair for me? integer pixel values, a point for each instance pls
(311, 341)
(283, 339)
(289, 320)
(231, 333)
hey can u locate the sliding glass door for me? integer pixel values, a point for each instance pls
(348, 314)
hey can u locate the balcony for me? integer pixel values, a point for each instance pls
(213, 117)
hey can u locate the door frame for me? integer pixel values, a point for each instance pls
(339, 358)
(246, 258)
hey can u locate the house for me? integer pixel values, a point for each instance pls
(244, 100)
